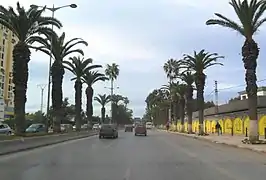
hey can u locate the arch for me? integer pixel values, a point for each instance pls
(193, 126)
(197, 126)
(262, 125)
(238, 126)
(186, 126)
(227, 126)
(213, 123)
(221, 122)
(208, 126)
(246, 125)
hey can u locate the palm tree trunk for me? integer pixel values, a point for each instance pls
(78, 103)
(89, 107)
(189, 108)
(250, 53)
(182, 113)
(21, 57)
(57, 72)
(200, 83)
(103, 114)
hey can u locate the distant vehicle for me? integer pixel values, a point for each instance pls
(149, 125)
(129, 127)
(96, 127)
(5, 129)
(140, 129)
(108, 130)
(35, 128)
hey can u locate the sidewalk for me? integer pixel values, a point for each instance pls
(234, 141)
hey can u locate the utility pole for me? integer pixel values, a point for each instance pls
(216, 97)
(42, 87)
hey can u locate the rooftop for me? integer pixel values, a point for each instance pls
(262, 88)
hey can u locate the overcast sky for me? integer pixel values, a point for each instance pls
(140, 36)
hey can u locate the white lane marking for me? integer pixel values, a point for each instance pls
(41, 149)
(127, 174)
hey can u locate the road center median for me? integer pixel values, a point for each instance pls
(22, 144)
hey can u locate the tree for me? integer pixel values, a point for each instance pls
(27, 26)
(188, 78)
(78, 66)
(171, 68)
(198, 63)
(180, 90)
(250, 15)
(126, 101)
(112, 72)
(90, 78)
(60, 49)
(103, 100)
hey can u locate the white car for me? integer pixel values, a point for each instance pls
(149, 125)
(95, 127)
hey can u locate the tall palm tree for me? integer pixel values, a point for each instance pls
(188, 78)
(126, 101)
(250, 15)
(27, 26)
(180, 91)
(60, 50)
(103, 100)
(112, 72)
(89, 78)
(198, 63)
(78, 66)
(171, 68)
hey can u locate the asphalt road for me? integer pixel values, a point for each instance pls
(159, 156)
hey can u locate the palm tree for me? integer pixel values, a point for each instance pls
(188, 78)
(78, 66)
(250, 15)
(198, 63)
(91, 77)
(103, 100)
(180, 91)
(27, 26)
(112, 72)
(60, 50)
(126, 101)
(171, 68)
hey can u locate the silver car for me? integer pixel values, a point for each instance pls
(5, 129)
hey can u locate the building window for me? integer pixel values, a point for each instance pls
(4, 41)
(2, 56)
(2, 63)
(10, 81)
(3, 49)
(10, 88)
(10, 74)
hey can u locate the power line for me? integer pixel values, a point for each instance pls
(232, 87)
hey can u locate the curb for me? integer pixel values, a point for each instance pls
(222, 143)
(46, 144)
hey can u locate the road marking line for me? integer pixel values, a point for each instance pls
(127, 174)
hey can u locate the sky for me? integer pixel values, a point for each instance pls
(140, 36)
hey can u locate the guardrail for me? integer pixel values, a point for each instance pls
(22, 144)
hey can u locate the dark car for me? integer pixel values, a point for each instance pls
(140, 129)
(36, 128)
(108, 130)
(129, 127)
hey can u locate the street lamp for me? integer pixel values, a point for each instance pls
(112, 93)
(53, 9)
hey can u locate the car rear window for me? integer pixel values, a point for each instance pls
(106, 126)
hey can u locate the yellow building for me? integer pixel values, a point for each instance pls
(7, 42)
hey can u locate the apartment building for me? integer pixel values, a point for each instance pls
(7, 42)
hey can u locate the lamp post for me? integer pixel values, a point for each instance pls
(53, 9)
(112, 93)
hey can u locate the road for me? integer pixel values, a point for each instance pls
(159, 156)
